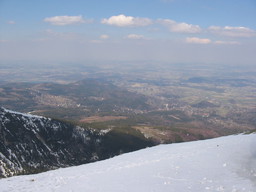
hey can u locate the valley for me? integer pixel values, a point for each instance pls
(167, 103)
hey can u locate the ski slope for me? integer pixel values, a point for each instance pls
(223, 164)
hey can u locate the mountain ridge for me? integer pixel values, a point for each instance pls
(32, 144)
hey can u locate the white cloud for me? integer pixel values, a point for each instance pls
(96, 41)
(232, 31)
(11, 22)
(52, 35)
(104, 36)
(3, 41)
(135, 36)
(126, 21)
(197, 40)
(66, 20)
(173, 26)
(227, 42)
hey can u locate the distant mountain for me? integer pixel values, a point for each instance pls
(71, 101)
(204, 104)
(31, 144)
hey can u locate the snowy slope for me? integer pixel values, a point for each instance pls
(223, 164)
(32, 144)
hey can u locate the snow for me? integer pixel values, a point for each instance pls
(226, 164)
(23, 114)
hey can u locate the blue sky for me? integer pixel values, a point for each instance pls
(206, 31)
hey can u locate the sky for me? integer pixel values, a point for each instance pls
(174, 31)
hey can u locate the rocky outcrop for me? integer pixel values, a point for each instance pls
(31, 144)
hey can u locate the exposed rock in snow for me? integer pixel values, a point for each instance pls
(32, 144)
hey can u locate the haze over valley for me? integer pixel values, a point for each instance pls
(167, 103)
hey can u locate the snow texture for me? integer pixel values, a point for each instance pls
(23, 114)
(226, 164)
(30, 144)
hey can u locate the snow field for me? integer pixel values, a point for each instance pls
(226, 164)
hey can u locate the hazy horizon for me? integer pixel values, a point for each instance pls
(166, 31)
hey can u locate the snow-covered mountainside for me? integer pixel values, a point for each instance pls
(226, 164)
(32, 144)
